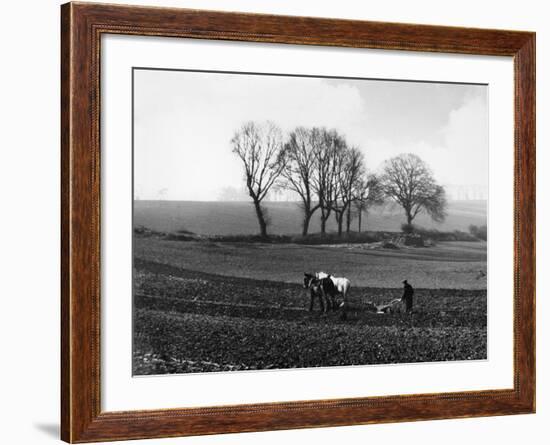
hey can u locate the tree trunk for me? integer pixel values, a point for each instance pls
(359, 221)
(261, 218)
(305, 223)
(324, 216)
(409, 215)
(348, 219)
(340, 221)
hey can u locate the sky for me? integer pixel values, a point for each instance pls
(184, 121)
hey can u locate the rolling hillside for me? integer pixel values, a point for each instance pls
(227, 218)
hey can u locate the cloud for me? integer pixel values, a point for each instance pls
(466, 143)
(457, 153)
(184, 122)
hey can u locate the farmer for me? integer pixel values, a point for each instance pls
(407, 297)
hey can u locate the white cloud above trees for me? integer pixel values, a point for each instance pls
(184, 122)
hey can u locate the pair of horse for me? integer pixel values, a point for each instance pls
(326, 288)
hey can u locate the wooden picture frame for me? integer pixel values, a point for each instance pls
(82, 25)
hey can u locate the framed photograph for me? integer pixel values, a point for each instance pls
(274, 222)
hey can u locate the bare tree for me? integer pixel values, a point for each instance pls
(300, 170)
(260, 148)
(349, 166)
(350, 179)
(408, 180)
(329, 147)
(368, 193)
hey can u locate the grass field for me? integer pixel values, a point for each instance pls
(230, 218)
(202, 306)
(446, 265)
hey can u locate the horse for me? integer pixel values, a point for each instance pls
(341, 284)
(314, 285)
(327, 287)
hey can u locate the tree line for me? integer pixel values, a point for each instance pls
(330, 176)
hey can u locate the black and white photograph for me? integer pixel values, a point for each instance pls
(235, 222)
(302, 221)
